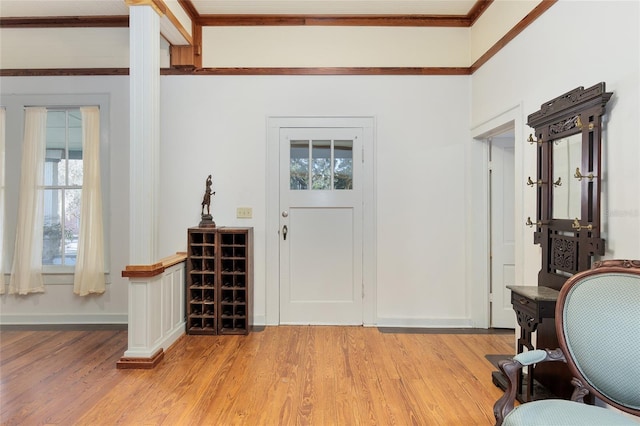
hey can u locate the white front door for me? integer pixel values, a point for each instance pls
(502, 202)
(321, 224)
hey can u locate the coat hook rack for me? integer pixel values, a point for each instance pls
(576, 225)
(532, 183)
(580, 176)
(530, 224)
(532, 141)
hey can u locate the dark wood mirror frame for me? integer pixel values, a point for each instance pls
(568, 245)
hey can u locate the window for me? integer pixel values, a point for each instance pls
(62, 186)
(327, 164)
(62, 157)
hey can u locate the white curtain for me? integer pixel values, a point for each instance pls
(26, 272)
(2, 138)
(89, 272)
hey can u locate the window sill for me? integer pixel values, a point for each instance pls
(63, 276)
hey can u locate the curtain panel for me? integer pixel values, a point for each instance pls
(26, 271)
(89, 271)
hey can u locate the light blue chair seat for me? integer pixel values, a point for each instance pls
(558, 412)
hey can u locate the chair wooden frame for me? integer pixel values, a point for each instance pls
(511, 367)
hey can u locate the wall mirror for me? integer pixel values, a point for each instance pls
(566, 156)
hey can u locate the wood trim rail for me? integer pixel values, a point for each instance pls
(58, 72)
(149, 271)
(335, 20)
(323, 71)
(66, 21)
(43, 72)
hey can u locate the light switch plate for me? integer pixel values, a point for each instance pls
(244, 212)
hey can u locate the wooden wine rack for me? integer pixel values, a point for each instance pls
(219, 280)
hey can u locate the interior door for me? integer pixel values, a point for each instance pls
(502, 202)
(321, 226)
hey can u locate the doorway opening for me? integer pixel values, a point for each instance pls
(501, 202)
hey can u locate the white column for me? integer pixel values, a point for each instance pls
(145, 293)
(144, 95)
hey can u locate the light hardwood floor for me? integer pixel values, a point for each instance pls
(287, 375)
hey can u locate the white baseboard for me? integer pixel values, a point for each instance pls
(425, 322)
(164, 343)
(401, 322)
(45, 319)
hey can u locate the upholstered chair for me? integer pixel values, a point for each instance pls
(598, 326)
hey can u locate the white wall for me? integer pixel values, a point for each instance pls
(58, 304)
(217, 125)
(575, 43)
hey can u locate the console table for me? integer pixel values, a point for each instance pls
(532, 304)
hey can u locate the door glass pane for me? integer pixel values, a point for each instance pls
(321, 166)
(299, 165)
(343, 164)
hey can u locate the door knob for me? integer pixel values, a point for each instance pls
(285, 213)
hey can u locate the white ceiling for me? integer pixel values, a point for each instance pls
(41, 8)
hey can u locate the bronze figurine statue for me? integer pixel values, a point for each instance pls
(207, 219)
